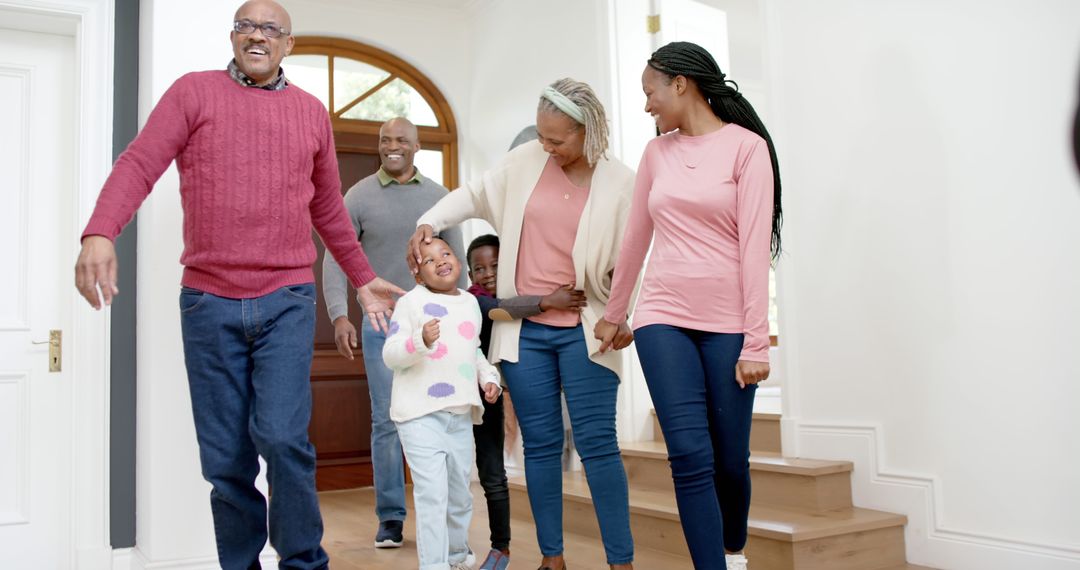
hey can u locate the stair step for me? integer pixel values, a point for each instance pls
(780, 539)
(764, 432)
(778, 481)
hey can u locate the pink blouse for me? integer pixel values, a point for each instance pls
(548, 231)
(706, 204)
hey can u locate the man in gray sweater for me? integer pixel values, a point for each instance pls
(384, 208)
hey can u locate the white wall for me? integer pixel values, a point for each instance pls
(518, 49)
(928, 291)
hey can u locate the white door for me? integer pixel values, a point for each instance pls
(698, 22)
(37, 165)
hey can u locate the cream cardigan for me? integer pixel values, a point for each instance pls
(499, 196)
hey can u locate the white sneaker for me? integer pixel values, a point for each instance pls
(735, 561)
(461, 566)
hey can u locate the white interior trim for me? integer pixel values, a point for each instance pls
(134, 559)
(929, 539)
(91, 22)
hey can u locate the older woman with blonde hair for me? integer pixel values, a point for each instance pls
(559, 205)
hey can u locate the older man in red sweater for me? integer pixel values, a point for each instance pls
(258, 169)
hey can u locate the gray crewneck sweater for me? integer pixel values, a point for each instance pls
(384, 218)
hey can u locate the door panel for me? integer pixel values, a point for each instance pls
(341, 413)
(37, 74)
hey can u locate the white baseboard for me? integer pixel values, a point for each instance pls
(928, 541)
(134, 559)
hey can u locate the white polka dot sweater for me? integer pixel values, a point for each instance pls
(446, 375)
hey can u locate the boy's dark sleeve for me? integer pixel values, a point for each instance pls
(513, 308)
(486, 304)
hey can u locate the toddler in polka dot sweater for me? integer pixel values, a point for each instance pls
(433, 347)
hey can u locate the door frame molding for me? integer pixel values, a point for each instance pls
(88, 359)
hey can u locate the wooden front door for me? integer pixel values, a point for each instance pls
(341, 414)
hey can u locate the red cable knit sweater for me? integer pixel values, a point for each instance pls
(257, 169)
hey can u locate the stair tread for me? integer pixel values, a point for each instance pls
(759, 460)
(771, 522)
(757, 415)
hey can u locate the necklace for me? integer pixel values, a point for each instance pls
(691, 157)
(585, 182)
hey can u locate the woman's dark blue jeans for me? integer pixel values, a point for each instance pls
(705, 418)
(554, 360)
(249, 365)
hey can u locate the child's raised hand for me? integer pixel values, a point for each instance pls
(491, 392)
(565, 297)
(431, 332)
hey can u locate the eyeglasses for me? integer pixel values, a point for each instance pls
(269, 30)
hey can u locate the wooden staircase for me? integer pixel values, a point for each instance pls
(801, 514)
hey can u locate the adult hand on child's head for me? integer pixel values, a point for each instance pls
(748, 372)
(344, 336)
(422, 234)
(491, 392)
(431, 332)
(566, 298)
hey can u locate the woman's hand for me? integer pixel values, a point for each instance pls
(422, 234)
(566, 298)
(612, 336)
(750, 372)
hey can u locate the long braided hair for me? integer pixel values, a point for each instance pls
(695, 63)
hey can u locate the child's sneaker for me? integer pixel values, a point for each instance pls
(735, 561)
(495, 560)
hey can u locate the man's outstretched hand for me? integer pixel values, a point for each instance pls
(378, 298)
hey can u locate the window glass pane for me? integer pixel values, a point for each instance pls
(396, 99)
(430, 164)
(352, 79)
(309, 72)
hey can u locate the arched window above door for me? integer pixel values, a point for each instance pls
(363, 86)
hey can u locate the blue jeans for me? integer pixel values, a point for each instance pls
(553, 360)
(249, 366)
(386, 460)
(439, 447)
(706, 419)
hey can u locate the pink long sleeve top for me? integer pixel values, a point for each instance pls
(548, 232)
(706, 204)
(258, 169)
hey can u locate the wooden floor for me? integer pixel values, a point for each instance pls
(350, 521)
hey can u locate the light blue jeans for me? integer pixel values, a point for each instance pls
(386, 463)
(439, 447)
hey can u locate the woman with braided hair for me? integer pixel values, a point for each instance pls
(560, 207)
(708, 196)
